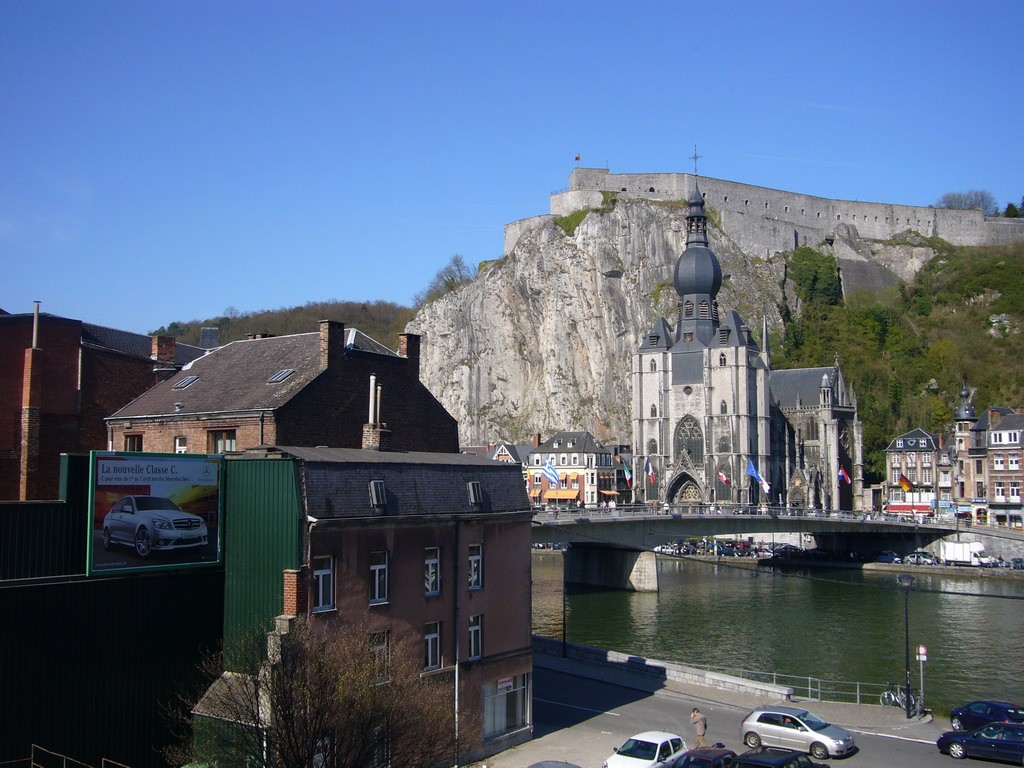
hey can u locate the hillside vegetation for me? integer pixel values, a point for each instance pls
(907, 352)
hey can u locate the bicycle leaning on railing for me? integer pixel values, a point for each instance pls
(896, 696)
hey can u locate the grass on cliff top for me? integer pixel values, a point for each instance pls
(570, 222)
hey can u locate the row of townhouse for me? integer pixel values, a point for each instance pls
(978, 472)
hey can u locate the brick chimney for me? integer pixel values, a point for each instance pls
(994, 417)
(295, 592)
(536, 440)
(376, 437)
(332, 343)
(409, 348)
(163, 352)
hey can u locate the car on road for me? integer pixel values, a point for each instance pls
(650, 749)
(715, 756)
(774, 757)
(995, 741)
(920, 558)
(1017, 563)
(979, 713)
(152, 523)
(888, 557)
(794, 728)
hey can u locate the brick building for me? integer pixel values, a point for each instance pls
(920, 476)
(586, 471)
(59, 378)
(427, 548)
(306, 389)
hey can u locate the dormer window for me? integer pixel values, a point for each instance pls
(378, 494)
(653, 339)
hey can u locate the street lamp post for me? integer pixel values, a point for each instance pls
(906, 580)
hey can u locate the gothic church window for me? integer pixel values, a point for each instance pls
(725, 408)
(721, 359)
(652, 447)
(654, 366)
(654, 410)
(690, 440)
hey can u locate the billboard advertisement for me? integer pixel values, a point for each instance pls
(153, 511)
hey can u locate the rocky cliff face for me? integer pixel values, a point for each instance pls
(543, 339)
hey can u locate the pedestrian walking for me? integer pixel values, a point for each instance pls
(700, 726)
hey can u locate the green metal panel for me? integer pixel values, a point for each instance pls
(263, 525)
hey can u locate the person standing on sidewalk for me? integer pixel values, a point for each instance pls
(700, 726)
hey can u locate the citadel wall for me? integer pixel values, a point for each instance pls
(774, 220)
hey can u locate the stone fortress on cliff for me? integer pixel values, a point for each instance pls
(766, 220)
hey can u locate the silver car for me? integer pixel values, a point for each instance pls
(148, 523)
(794, 728)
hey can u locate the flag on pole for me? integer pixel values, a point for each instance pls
(843, 475)
(752, 471)
(905, 484)
(649, 470)
(724, 478)
(551, 473)
(626, 471)
(577, 158)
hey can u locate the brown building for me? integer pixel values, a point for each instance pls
(586, 472)
(431, 549)
(59, 378)
(306, 389)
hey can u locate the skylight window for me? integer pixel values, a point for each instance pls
(281, 375)
(186, 382)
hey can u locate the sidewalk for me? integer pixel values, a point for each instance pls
(857, 718)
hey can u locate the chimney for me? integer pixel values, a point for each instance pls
(295, 602)
(332, 343)
(536, 440)
(209, 337)
(409, 348)
(163, 349)
(994, 417)
(376, 437)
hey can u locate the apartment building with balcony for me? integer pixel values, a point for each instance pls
(920, 469)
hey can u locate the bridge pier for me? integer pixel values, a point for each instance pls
(611, 568)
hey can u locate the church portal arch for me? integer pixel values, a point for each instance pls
(684, 489)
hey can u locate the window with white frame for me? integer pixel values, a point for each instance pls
(378, 577)
(575, 459)
(536, 478)
(476, 636)
(899, 443)
(1014, 461)
(1014, 489)
(1013, 437)
(476, 566)
(997, 437)
(506, 705)
(432, 645)
(926, 459)
(563, 459)
(895, 476)
(1000, 491)
(997, 462)
(181, 444)
(323, 583)
(926, 475)
(432, 571)
(895, 459)
(911, 460)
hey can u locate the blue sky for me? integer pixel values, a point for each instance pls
(168, 159)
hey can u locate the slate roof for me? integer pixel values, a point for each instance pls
(520, 453)
(916, 440)
(335, 482)
(234, 377)
(799, 385)
(135, 344)
(982, 424)
(584, 443)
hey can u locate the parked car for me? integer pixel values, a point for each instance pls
(650, 749)
(979, 713)
(1017, 563)
(148, 523)
(715, 756)
(794, 728)
(920, 558)
(774, 757)
(995, 741)
(888, 557)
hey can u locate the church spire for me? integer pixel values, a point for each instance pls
(696, 219)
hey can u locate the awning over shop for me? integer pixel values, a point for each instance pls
(609, 493)
(561, 494)
(573, 476)
(535, 493)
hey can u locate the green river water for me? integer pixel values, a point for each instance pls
(843, 625)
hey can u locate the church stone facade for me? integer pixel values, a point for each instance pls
(708, 409)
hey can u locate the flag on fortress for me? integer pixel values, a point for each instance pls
(649, 469)
(752, 471)
(905, 484)
(843, 475)
(724, 478)
(551, 473)
(577, 158)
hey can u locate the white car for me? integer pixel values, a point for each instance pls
(650, 749)
(152, 523)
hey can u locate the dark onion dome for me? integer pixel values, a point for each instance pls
(966, 410)
(697, 270)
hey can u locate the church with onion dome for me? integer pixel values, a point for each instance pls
(713, 424)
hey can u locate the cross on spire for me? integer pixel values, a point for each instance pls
(695, 157)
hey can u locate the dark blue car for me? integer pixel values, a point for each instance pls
(995, 741)
(979, 713)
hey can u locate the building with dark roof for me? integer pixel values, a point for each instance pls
(919, 472)
(585, 468)
(305, 389)
(716, 424)
(59, 378)
(429, 551)
(989, 468)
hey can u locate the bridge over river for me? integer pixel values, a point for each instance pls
(612, 547)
